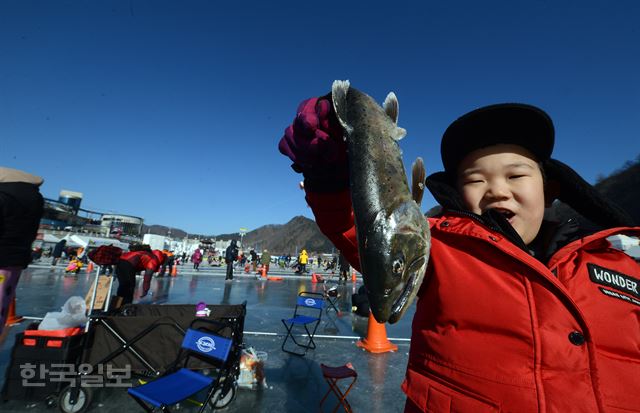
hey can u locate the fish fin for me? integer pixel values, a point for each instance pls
(418, 176)
(339, 91)
(399, 133)
(391, 107)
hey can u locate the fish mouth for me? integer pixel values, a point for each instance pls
(401, 304)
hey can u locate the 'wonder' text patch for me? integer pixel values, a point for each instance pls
(613, 279)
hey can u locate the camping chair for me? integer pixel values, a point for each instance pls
(331, 295)
(307, 313)
(178, 385)
(332, 375)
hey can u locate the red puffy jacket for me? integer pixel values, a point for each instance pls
(496, 330)
(141, 260)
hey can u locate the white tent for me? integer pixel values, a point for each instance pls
(72, 243)
(48, 238)
(94, 242)
(45, 240)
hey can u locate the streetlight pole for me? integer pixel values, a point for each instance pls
(242, 232)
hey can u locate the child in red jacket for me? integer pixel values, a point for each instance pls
(519, 311)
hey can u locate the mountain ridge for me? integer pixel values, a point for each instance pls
(621, 186)
(289, 238)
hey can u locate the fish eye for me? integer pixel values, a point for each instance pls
(398, 266)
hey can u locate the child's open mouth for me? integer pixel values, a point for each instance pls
(505, 213)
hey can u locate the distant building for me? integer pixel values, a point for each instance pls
(124, 224)
(66, 214)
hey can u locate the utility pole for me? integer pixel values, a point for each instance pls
(242, 232)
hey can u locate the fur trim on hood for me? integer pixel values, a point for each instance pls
(15, 175)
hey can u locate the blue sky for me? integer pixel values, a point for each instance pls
(172, 110)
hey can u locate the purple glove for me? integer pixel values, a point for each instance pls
(315, 144)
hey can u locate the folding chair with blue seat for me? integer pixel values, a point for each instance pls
(332, 296)
(307, 314)
(182, 384)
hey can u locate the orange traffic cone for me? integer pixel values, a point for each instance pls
(314, 279)
(376, 340)
(174, 271)
(12, 318)
(353, 276)
(264, 272)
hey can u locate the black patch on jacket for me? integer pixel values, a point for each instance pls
(614, 279)
(619, 296)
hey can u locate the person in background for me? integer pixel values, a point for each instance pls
(171, 261)
(57, 251)
(74, 265)
(129, 264)
(303, 259)
(331, 265)
(254, 259)
(36, 254)
(242, 259)
(230, 255)
(360, 302)
(344, 268)
(266, 259)
(196, 258)
(21, 207)
(163, 264)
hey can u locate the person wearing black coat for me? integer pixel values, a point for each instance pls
(21, 207)
(254, 259)
(230, 255)
(57, 251)
(360, 302)
(344, 268)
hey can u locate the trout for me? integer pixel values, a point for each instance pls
(393, 235)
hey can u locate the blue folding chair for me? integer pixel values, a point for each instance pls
(181, 384)
(307, 314)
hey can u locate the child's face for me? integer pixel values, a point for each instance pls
(508, 179)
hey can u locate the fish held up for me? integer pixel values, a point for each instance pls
(393, 235)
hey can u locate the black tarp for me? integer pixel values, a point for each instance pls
(160, 346)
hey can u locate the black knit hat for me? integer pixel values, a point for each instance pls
(505, 123)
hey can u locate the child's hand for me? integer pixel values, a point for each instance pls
(315, 144)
